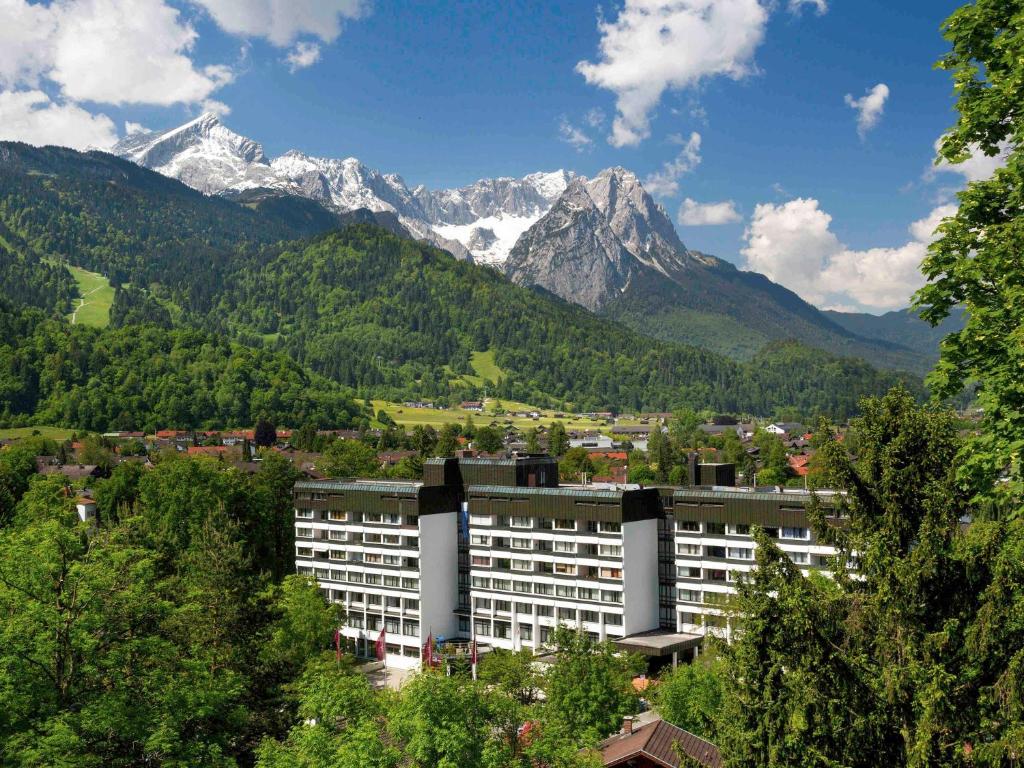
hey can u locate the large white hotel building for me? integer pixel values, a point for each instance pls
(499, 550)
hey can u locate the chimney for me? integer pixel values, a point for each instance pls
(627, 725)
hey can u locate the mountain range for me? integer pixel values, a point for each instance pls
(603, 243)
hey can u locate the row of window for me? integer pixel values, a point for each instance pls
(547, 590)
(740, 529)
(544, 523)
(356, 600)
(564, 613)
(545, 568)
(561, 547)
(354, 537)
(358, 577)
(369, 558)
(340, 516)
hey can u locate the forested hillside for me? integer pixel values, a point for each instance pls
(384, 315)
(145, 377)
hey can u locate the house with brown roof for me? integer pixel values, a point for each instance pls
(656, 745)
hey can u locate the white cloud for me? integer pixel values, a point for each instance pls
(796, 6)
(793, 244)
(282, 21)
(108, 51)
(595, 117)
(869, 107)
(574, 136)
(218, 108)
(658, 45)
(694, 214)
(130, 128)
(977, 167)
(31, 117)
(665, 182)
(304, 54)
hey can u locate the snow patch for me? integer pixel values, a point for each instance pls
(506, 229)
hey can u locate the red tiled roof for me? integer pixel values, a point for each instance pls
(657, 742)
(206, 450)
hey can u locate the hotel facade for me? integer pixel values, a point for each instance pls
(499, 550)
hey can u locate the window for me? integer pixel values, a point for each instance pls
(689, 526)
(613, 619)
(715, 574)
(520, 543)
(565, 546)
(480, 519)
(610, 550)
(482, 603)
(483, 628)
(355, 576)
(391, 538)
(480, 561)
(411, 628)
(592, 616)
(480, 541)
(371, 538)
(412, 542)
(565, 591)
(524, 608)
(689, 595)
(798, 557)
(687, 549)
(544, 523)
(501, 585)
(586, 593)
(391, 626)
(390, 581)
(375, 558)
(716, 529)
(411, 604)
(521, 522)
(526, 632)
(741, 553)
(610, 596)
(323, 573)
(565, 569)
(503, 630)
(543, 589)
(543, 567)
(337, 554)
(463, 625)
(410, 583)
(566, 614)
(373, 599)
(337, 575)
(391, 519)
(565, 525)
(337, 516)
(504, 606)
(373, 578)
(611, 573)
(522, 565)
(481, 582)
(714, 551)
(336, 535)
(502, 563)
(304, 514)
(393, 602)
(611, 527)
(392, 560)
(545, 611)
(303, 533)
(522, 586)
(688, 572)
(794, 533)
(741, 530)
(545, 634)
(303, 551)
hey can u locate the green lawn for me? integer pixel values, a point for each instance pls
(18, 433)
(96, 295)
(485, 367)
(410, 417)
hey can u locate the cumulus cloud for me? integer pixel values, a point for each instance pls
(107, 51)
(694, 214)
(130, 128)
(793, 244)
(282, 21)
(977, 167)
(304, 54)
(31, 116)
(573, 135)
(665, 183)
(658, 45)
(796, 6)
(869, 107)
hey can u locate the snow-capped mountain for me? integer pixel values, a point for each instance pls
(597, 238)
(483, 220)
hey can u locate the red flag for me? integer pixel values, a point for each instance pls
(472, 651)
(382, 646)
(428, 650)
(337, 644)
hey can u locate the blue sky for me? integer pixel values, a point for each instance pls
(447, 93)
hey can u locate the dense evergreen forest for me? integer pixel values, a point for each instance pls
(383, 315)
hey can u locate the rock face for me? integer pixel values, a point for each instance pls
(599, 236)
(481, 220)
